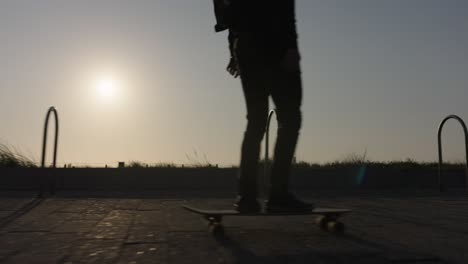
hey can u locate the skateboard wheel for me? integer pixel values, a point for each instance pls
(335, 227)
(321, 221)
(216, 229)
(214, 218)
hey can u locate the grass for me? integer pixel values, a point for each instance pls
(139, 165)
(358, 160)
(11, 158)
(406, 164)
(403, 164)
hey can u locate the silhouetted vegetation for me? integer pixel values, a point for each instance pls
(355, 160)
(137, 164)
(11, 158)
(405, 164)
(196, 162)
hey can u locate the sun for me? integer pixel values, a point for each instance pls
(106, 88)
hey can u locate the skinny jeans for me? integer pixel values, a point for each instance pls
(263, 74)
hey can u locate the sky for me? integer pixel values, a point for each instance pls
(144, 80)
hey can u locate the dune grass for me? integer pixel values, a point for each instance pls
(11, 158)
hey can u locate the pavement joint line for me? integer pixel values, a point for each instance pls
(395, 246)
(134, 210)
(144, 242)
(127, 234)
(26, 208)
(419, 223)
(412, 260)
(10, 254)
(28, 231)
(65, 233)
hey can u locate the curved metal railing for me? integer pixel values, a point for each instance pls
(266, 181)
(52, 110)
(44, 141)
(439, 140)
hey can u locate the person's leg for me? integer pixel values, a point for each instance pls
(287, 96)
(257, 111)
(256, 97)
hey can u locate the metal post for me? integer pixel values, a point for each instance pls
(439, 137)
(266, 166)
(44, 141)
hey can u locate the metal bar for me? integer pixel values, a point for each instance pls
(266, 166)
(52, 110)
(439, 141)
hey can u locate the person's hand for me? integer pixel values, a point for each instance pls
(291, 60)
(233, 68)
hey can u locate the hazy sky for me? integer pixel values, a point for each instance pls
(378, 75)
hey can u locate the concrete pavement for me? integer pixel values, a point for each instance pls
(152, 228)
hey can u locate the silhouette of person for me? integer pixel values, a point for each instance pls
(264, 53)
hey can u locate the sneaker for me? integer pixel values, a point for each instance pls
(247, 205)
(287, 204)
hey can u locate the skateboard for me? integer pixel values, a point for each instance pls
(327, 217)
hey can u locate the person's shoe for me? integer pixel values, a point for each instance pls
(247, 205)
(287, 203)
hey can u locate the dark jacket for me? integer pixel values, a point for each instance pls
(271, 18)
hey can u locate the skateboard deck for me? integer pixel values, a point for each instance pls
(327, 220)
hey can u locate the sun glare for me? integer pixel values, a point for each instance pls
(106, 88)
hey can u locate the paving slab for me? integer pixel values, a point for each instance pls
(383, 228)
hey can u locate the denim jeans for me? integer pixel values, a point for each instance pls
(263, 74)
